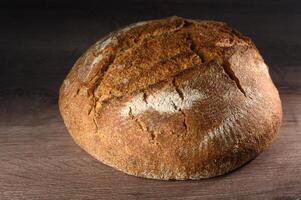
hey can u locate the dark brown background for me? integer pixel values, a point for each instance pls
(40, 41)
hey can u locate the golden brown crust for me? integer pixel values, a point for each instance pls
(172, 99)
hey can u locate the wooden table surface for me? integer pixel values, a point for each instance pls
(39, 44)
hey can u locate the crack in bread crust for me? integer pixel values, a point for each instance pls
(220, 58)
(228, 70)
(118, 53)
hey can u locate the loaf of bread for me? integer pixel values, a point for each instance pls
(172, 99)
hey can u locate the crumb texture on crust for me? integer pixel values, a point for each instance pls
(172, 99)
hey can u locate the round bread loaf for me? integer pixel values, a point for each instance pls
(172, 99)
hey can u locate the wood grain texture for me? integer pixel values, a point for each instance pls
(38, 158)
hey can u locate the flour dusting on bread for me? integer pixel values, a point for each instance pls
(103, 43)
(164, 101)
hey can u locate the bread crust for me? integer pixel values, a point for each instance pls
(172, 99)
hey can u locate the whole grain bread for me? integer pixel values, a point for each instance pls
(172, 99)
